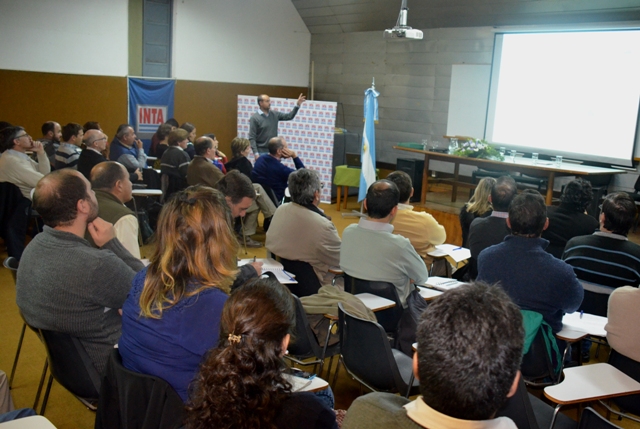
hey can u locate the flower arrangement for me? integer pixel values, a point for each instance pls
(477, 148)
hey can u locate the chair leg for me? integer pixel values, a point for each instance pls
(46, 395)
(335, 376)
(42, 377)
(15, 361)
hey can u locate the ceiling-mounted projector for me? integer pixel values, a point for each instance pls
(402, 30)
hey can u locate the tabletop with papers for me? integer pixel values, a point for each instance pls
(272, 266)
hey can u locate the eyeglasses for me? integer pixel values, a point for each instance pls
(24, 135)
(97, 140)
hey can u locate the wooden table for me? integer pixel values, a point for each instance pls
(590, 383)
(543, 168)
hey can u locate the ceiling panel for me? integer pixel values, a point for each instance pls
(345, 16)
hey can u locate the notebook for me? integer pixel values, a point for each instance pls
(441, 283)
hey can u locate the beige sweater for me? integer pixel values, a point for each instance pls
(624, 318)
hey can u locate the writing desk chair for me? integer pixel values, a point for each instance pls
(389, 317)
(631, 403)
(368, 358)
(589, 383)
(305, 344)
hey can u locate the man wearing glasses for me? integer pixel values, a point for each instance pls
(96, 142)
(15, 165)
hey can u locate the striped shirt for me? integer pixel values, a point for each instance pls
(67, 156)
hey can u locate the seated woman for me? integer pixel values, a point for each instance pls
(171, 317)
(242, 382)
(240, 149)
(478, 206)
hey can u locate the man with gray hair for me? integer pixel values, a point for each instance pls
(300, 231)
(127, 149)
(269, 170)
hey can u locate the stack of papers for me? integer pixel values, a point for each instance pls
(457, 253)
(273, 266)
(441, 283)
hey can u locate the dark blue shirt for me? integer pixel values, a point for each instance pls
(270, 171)
(173, 346)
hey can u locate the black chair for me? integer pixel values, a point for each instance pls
(71, 366)
(131, 400)
(271, 194)
(529, 412)
(170, 184)
(15, 211)
(368, 358)
(308, 282)
(304, 344)
(592, 420)
(388, 318)
(630, 403)
(537, 368)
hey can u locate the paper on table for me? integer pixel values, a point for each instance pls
(457, 253)
(441, 283)
(272, 266)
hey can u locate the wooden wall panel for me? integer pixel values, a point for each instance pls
(450, 221)
(30, 99)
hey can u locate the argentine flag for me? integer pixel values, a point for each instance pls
(368, 153)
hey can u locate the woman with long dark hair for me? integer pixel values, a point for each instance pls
(242, 382)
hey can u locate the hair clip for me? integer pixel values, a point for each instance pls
(185, 199)
(235, 338)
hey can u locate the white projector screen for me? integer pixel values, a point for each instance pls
(574, 94)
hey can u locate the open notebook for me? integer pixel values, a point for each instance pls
(441, 283)
(273, 266)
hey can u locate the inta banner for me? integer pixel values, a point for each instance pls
(150, 105)
(309, 134)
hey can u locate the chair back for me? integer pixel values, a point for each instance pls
(271, 194)
(70, 364)
(12, 264)
(366, 353)
(630, 403)
(519, 409)
(592, 420)
(132, 400)
(15, 211)
(388, 318)
(536, 365)
(308, 282)
(304, 343)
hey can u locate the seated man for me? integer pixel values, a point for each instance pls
(533, 278)
(69, 150)
(300, 231)
(570, 218)
(487, 231)
(420, 228)
(111, 184)
(96, 143)
(175, 161)
(51, 135)
(470, 344)
(623, 316)
(201, 170)
(66, 285)
(370, 250)
(15, 165)
(127, 149)
(269, 170)
(606, 259)
(239, 193)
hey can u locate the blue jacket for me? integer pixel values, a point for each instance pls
(271, 172)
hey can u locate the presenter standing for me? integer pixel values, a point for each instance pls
(263, 125)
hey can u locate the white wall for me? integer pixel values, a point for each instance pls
(87, 37)
(240, 41)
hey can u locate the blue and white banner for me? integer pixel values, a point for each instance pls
(150, 105)
(368, 154)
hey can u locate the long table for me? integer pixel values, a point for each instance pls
(543, 168)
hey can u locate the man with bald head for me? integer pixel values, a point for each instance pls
(270, 172)
(66, 285)
(263, 125)
(96, 143)
(370, 250)
(111, 184)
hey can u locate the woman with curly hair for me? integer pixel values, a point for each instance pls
(242, 383)
(478, 206)
(171, 317)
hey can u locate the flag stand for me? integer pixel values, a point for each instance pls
(368, 148)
